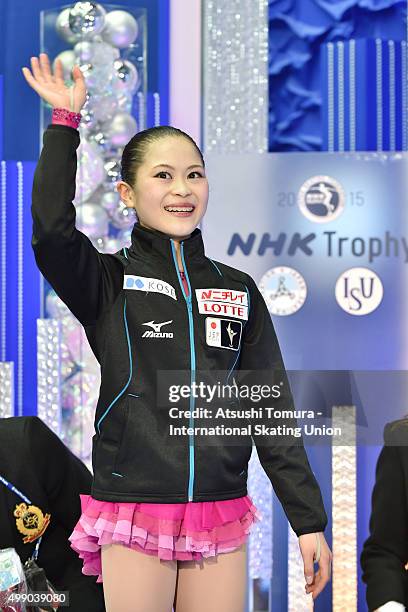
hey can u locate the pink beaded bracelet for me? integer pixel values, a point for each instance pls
(62, 116)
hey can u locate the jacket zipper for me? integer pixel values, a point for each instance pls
(192, 363)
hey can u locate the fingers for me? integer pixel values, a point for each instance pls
(308, 569)
(78, 75)
(321, 580)
(45, 67)
(79, 89)
(41, 68)
(319, 551)
(31, 80)
(36, 70)
(307, 549)
(309, 577)
(322, 576)
(28, 76)
(59, 72)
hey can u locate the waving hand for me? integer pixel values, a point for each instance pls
(51, 87)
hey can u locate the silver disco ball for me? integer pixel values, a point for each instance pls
(86, 19)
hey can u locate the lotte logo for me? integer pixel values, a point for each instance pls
(359, 291)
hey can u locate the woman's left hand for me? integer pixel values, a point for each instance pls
(309, 545)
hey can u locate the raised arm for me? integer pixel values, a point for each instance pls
(84, 279)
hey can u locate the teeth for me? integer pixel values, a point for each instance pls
(171, 209)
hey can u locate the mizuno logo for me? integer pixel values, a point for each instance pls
(157, 326)
(157, 333)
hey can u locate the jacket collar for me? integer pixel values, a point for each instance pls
(152, 242)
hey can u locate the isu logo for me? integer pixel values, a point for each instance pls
(359, 291)
(156, 332)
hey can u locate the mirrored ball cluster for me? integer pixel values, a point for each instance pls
(101, 42)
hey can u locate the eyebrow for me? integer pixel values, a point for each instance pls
(167, 166)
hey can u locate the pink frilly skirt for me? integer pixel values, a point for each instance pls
(184, 532)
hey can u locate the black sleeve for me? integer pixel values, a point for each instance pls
(385, 551)
(284, 460)
(86, 280)
(63, 477)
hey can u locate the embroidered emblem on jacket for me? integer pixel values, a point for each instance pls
(227, 302)
(157, 333)
(223, 333)
(31, 522)
(153, 285)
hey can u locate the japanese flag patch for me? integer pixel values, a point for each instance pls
(223, 333)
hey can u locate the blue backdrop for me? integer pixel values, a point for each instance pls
(298, 32)
(20, 39)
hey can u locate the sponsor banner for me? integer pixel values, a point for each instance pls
(228, 302)
(223, 308)
(222, 295)
(325, 237)
(150, 285)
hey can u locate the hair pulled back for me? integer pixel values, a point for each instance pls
(136, 149)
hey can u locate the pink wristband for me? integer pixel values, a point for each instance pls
(62, 116)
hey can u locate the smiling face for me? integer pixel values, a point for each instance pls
(170, 193)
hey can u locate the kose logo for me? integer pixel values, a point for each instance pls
(148, 285)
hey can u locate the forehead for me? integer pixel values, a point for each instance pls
(172, 150)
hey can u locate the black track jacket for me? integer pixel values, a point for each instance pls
(37, 463)
(139, 322)
(385, 552)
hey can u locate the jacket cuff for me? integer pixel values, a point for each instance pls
(312, 529)
(391, 587)
(63, 128)
(62, 116)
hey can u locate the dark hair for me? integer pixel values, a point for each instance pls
(135, 151)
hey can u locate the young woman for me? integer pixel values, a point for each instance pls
(168, 516)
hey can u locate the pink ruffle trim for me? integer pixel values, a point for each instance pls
(181, 532)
